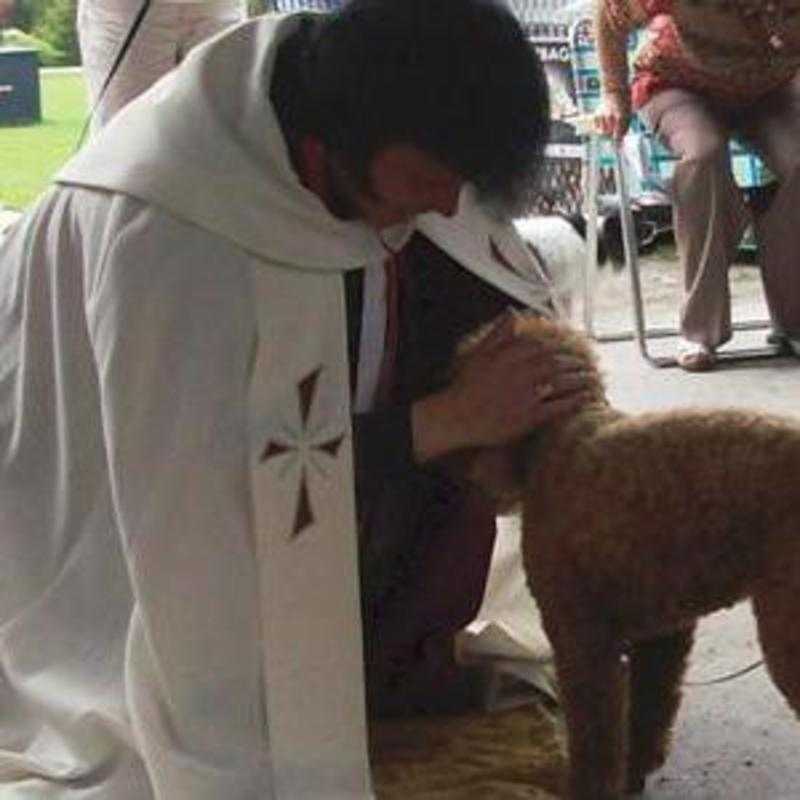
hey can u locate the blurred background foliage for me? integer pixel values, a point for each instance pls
(49, 27)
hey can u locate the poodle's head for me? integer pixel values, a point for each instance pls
(501, 471)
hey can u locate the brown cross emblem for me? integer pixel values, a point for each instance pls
(307, 445)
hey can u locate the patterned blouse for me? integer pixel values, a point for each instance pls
(732, 51)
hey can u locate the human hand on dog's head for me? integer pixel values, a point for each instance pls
(551, 379)
(502, 387)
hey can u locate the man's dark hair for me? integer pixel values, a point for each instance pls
(456, 78)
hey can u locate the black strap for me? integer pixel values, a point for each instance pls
(130, 36)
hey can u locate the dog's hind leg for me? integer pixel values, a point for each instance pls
(775, 606)
(657, 667)
(593, 688)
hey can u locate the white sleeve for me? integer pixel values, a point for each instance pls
(173, 332)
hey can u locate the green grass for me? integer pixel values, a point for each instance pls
(31, 154)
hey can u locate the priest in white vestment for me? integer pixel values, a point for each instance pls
(179, 599)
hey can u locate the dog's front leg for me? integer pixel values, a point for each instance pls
(657, 669)
(593, 679)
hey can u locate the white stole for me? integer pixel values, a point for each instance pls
(305, 527)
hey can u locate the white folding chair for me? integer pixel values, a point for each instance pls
(599, 151)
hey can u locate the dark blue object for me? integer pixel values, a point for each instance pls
(19, 85)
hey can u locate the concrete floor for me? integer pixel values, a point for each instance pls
(737, 740)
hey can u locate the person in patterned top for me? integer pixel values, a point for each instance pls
(707, 70)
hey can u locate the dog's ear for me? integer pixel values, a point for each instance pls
(496, 471)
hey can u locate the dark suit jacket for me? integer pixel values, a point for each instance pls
(407, 512)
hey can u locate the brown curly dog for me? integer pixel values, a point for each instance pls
(634, 527)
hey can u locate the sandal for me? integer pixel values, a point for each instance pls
(695, 357)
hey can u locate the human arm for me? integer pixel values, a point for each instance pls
(507, 388)
(613, 22)
(169, 322)
(403, 477)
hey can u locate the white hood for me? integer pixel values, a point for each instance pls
(204, 144)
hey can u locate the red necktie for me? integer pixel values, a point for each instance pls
(386, 376)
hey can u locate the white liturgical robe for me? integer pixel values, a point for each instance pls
(179, 610)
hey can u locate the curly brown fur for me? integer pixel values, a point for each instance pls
(634, 526)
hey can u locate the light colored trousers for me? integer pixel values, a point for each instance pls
(169, 30)
(709, 213)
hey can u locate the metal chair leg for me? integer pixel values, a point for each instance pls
(592, 165)
(631, 250)
(641, 333)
